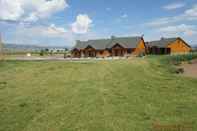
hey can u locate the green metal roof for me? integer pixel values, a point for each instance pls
(101, 44)
(164, 42)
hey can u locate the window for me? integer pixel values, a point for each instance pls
(101, 52)
(129, 51)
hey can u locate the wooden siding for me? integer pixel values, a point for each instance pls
(76, 53)
(117, 50)
(103, 53)
(159, 51)
(140, 48)
(179, 46)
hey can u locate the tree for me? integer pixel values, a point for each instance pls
(51, 52)
(46, 50)
(66, 49)
(42, 53)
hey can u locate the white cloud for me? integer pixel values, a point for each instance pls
(54, 30)
(179, 25)
(192, 12)
(48, 35)
(174, 6)
(10, 10)
(82, 24)
(187, 30)
(44, 31)
(158, 22)
(188, 15)
(124, 16)
(108, 9)
(29, 10)
(45, 8)
(42, 35)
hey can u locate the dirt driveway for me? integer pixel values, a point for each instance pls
(190, 69)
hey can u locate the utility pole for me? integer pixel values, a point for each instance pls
(1, 48)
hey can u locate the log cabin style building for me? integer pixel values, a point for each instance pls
(168, 46)
(113, 47)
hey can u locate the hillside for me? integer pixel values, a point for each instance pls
(121, 95)
(26, 48)
(195, 47)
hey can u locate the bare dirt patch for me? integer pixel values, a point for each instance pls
(190, 69)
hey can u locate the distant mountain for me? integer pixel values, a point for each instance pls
(26, 48)
(194, 47)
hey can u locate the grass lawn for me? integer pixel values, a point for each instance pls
(123, 95)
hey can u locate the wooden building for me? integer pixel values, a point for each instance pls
(115, 46)
(168, 46)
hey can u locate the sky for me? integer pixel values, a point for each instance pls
(62, 22)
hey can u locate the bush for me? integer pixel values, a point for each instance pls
(178, 59)
(189, 62)
(172, 61)
(180, 71)
(42, 53)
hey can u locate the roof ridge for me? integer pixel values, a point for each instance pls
(111, 38)
(127, 42)
(128, 37)
(163, 39)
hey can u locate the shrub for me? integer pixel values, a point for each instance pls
(189, 62)
(42, 53)
(177, 59)
(172, 61)
(180, 71)
(23, 104)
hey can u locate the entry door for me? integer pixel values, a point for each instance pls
(91, 54)
(116, 52)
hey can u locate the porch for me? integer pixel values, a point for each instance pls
(159, 51)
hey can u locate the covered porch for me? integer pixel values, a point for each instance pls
(89, 52)
(76, 53)
(159, 50)
(118, 50)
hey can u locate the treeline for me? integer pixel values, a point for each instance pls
(51, 52)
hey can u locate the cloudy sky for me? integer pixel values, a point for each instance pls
(61, 22)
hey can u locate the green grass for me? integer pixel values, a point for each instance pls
(125, 95)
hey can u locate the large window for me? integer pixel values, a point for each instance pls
(101, 52)
(129, 51)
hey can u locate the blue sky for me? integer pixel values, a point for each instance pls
(61, 22)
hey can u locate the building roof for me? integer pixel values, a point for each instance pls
(100, 44)
(126, 42)
(164, 42)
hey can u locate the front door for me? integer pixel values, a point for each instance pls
(116, 52)
(91, 53)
